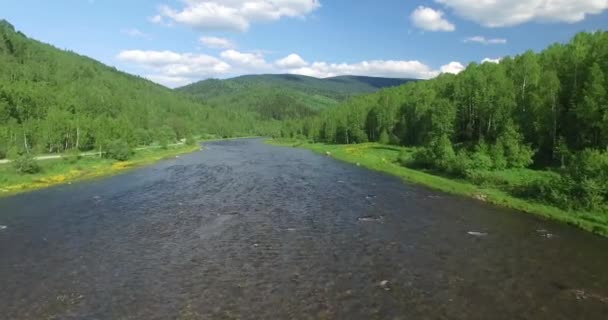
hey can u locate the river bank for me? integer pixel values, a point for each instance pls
(384, 158)
(67, 169)
(203, 235)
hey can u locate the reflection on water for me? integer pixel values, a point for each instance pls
(245, 230)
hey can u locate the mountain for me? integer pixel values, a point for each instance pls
(53, 100)
(285, 96)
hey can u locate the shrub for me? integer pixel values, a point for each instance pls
(404, 158)
(555, 191)
(497, 152)
(443, 154)
(421, 158)
(584, 185)
(71, 157)
(384, 138)
(118, 150)
(517, 154)
(480, 161)
(143, 136)
(26, 164)
(190, 141)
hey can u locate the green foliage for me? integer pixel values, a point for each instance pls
(118, 150)
(384, 138)
(543, 109)
(26, 164)
(71, 157)
(284, 96)
(516, 153)
(190, 140)
(53, 101)
(584, 185)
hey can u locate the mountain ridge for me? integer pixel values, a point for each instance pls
(285, 96)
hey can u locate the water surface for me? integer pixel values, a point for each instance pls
(244, 230)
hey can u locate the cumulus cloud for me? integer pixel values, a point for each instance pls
(292, 61)
(176, 69)
(453, 67)
(491, 60)
(483, 40)
(430, 19)
(249, 61)
(172, 68)
(217, 43)
(503, 13)
(378, 68)
(234, 15)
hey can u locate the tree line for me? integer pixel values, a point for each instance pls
(546, 110)
(55, 101)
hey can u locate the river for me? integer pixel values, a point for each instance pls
(245, 230)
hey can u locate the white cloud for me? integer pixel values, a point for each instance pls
(249, 61)
(453, 67)
(176, 69)
(491, 60)
(503, 13)
(169, 67)
(235, 15)
(483, 40)
(378, 68)
(217, 43)
(134, 32)
(169, 81)
(430, 19)
(292, 61)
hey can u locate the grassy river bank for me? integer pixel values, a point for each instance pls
(495, 187)
(72, 168)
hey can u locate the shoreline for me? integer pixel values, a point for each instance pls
(361, 155)
(89, 168)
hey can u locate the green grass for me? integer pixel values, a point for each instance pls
(492, 187)
(70, 169)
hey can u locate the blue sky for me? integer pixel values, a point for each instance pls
(175, 42)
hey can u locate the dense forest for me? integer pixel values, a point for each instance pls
(53, 101)
(545, 110)
(285, 96)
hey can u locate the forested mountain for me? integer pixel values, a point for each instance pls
(52, 101)
(547, 109)
(285, 96)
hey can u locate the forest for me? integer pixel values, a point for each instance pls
(53, 101)
(547, 111)
(285, 96)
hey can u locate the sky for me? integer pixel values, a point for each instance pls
(176, 42)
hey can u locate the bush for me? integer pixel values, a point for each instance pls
(480, 161)
(26, 164)
(384, 138)
(118, 150)
(404, 158)
(443, 153)
(394, 140)
(555, 191)
(190, 141)
(584, 185)
(516, 153)
(421, 158)
(71, 157)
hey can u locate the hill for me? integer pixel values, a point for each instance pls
(285, 96)
(53, 100)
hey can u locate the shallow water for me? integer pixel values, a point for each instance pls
(245, 230)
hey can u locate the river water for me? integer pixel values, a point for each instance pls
(245, 230)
